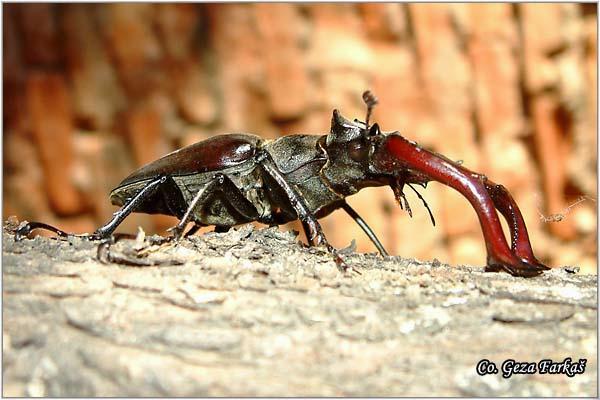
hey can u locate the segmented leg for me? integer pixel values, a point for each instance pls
(26, 229)
(105, 230)
(309, 220)
(363, 225)
(307, 233)
(223, 186)
(129, 207)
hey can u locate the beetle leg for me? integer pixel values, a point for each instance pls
(118, 217)
(307, 233)
(231, 194)
(201, 197)
(308, 219)
(105, 230)
(26, 229)
(104, 233)
(363, 225)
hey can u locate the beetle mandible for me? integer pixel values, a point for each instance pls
(239, 178)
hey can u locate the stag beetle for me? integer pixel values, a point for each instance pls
(239, 178)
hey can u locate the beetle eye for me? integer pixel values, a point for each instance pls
(374, 130)
(357, 151)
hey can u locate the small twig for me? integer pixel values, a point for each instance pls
(562, 215)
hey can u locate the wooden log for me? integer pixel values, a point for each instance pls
(251, 312)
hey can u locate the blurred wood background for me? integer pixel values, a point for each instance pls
(93, 91)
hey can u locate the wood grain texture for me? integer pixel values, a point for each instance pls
(253, 313)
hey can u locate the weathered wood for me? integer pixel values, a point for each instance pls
(252, 313)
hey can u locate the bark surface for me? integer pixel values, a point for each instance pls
(253, 313)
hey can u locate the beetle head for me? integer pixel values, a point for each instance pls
(361, 156)
(349, 147)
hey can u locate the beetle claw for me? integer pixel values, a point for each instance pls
(176, 233)
(519, 268)
(24, 231)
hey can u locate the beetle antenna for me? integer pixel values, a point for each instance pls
(424, 203)
(371, 101)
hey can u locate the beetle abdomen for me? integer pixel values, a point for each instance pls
(213, 154)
